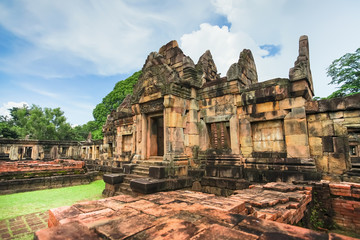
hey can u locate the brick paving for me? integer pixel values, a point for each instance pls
(23, 226)
(257, 213)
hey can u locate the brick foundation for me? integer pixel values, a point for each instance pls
(345, 202)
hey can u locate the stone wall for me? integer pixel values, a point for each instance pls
(334, 130)
(39, 183)
(20, 149)
(345, 200)
(186, 116)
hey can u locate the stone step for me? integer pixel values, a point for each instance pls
(130, 177)
(355, 165)
(149, 162)
(125, 186)
(141, 167)
(141, 172)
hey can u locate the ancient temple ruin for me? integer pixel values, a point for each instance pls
(186, 118)
(187, 127)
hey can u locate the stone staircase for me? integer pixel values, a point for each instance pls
(125, 185)
(140, 170)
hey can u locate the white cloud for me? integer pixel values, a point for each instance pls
(224, 45)
(37, 90)
(96, 37)
(4, 109)
(329, 25)
(72, 38)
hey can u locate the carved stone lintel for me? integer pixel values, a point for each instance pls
(153, 106)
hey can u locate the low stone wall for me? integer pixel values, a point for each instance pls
(345, 201)
(35, 166)
(32, 184)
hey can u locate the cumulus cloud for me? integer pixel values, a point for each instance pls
(88, 37)
(257, 23)
(94, 37)
(4, 109)
(224, 45)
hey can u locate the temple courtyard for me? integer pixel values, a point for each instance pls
(259, 212)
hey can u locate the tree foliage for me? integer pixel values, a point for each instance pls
(345, 72)
(50, 124)
(36, 123)
(112, 101)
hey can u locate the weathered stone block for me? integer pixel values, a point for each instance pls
(352, 120)
(245, 141)
(196, 173)
(331, 105)
(339, 144)
(312, 106)
(297, 127)
(174, 119)
(352, 102)
(339, 129)
(296, 113)
(145, 185)
(193, 140)
(300, 139)
(328, 145)
(337, 163)
(157, 172)
(316, 148)
(322, 163)
(128, 168)
(230, 171)
(267, 107)
(327, 128)
(315, 129)
(246, 151)
(298, 151)
(336, 115)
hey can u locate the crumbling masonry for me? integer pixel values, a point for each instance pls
(184, 126)
(184, 120)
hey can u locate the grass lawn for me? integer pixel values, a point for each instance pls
(17, 204)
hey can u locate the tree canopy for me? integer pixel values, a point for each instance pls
(50, 124)
(112, 101)
(36, 123)
(345, 72)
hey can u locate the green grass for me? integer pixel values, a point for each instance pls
(17, 204)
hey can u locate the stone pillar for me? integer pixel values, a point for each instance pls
(175, 121)
(234, 136)
(192, 130)
(246, 138)
(118, 148)
(143, 136)
(13, 154)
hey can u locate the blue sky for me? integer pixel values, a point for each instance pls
(70, 53)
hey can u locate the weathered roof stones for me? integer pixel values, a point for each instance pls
(244, 70)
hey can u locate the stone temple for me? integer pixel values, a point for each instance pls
(267, 146)
(184, 120)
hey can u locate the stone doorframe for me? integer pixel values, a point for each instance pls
(149, 118)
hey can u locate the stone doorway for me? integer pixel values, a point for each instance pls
(156, 136)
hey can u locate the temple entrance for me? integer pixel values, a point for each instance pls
(156, 127)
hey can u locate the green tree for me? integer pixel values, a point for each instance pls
(7, 130)
(112, 101)
(37, 123)
(345, 72)
(82, 131)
